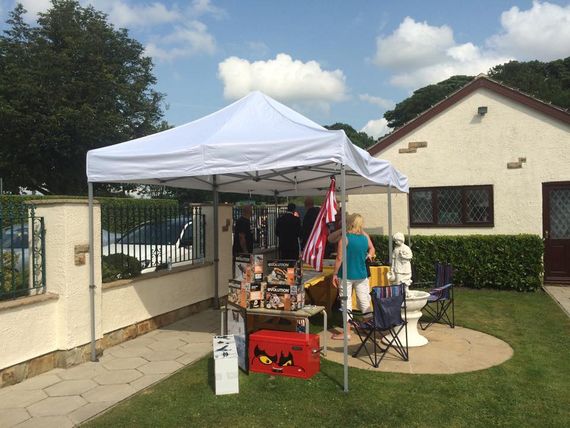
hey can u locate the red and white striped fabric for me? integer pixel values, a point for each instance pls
(314, 251)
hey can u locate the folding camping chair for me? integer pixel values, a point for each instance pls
(384, 324)
(440, 300)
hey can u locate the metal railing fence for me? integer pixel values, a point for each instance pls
(22, 249)
(137, 239)
(262, 224)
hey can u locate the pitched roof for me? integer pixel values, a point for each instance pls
(481, 81)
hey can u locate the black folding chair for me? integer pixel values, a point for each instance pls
(440, 301)
(381, 327)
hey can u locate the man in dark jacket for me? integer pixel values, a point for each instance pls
(288, 230)
(243, 238)
(311, 213)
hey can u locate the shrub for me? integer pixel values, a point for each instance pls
(505, 262)
(12, 282)
(120, 266)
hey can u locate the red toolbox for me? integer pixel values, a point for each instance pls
(284, 353)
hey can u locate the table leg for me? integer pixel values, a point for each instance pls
(307, 326)
(325, 332)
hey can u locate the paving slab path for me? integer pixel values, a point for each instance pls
(449, 351)
(68, 397)
(561, 295)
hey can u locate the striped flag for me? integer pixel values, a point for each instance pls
(314, 251)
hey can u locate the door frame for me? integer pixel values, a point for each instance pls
(546, 222)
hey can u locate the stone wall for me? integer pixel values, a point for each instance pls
(51, 330)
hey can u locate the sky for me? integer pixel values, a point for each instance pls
(332, 60)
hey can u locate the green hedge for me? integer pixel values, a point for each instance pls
(119, 266)
(12, 282)
(505, 262)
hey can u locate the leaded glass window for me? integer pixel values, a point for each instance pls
(452, 206)
(422, 208)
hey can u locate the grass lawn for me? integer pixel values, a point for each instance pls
(531, 389)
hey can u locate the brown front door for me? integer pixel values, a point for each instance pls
(556, 231)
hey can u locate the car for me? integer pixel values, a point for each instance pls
(15, 243)
(155, 244)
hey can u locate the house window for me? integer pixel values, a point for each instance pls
(460, 206)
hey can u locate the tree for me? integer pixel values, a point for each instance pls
(68, 85)
(548, 81)
(361, 139)
(422, 99)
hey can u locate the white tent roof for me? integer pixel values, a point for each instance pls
(255, 145)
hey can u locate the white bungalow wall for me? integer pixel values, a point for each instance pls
(464, 148)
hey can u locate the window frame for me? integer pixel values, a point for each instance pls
(435, 206)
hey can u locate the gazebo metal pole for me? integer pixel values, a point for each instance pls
(390, 224)
(409, 219)
(272, 226)
(92, 273)
(216, 242)
(344, 274)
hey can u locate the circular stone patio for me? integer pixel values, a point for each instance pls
(449, 351)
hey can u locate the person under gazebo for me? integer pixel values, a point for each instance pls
(359, 247)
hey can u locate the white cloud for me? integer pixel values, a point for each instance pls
(205, 7)
(35, 6)
(377, 128)
(184, 41)
(185, 35)
(283, 78)
(124, 15)
(413, 44)
(542, 32)
(420, 54)
(379, 101)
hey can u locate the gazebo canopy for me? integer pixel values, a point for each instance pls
(255, 145)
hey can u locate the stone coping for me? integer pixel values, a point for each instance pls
(156, 274)
(449, 351)
(28, 300)
(57, 201)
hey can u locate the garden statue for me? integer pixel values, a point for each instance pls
(401, 269)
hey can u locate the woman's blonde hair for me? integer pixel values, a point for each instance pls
(354, 223)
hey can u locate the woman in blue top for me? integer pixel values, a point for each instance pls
(359, 248)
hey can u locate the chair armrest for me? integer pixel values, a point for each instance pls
(439, 291)
(358, 315)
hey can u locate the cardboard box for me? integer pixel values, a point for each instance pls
(246, 294)
(254, 294)
(284, 297)
(236, 293)
(258, 271)
(243, 268)
(225, 365)
(284, 272)
(249, 267)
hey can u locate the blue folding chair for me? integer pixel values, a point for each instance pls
(440, 301)
(381, 327)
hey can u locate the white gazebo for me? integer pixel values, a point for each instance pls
(255, 146)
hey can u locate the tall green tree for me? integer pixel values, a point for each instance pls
(547, 81)
(422, 99)
(67, 85)
(361, 139)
